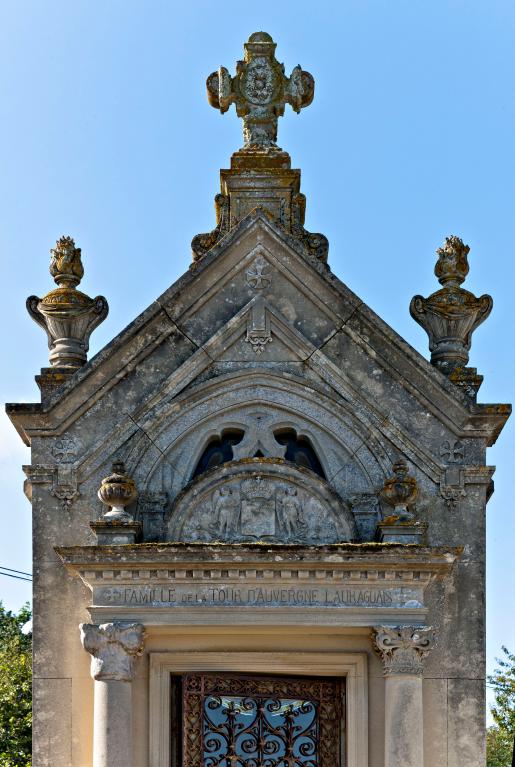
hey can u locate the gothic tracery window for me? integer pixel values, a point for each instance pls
(218, 451)
(299, 450)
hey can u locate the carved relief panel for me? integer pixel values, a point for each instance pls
(260, 500)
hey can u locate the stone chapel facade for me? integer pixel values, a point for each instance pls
(259, 515)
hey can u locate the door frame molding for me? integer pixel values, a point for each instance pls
(351, 666)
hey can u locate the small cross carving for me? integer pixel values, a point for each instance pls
(452, 452)
(64, 450)
(260, 90)
(257, 276)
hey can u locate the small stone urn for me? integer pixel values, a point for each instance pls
(117, 491)
(400, 491)
(450, 316)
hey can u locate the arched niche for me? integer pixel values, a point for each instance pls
(256, 499)
(163, 456)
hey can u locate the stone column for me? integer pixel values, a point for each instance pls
(113, 647)
(402, 650)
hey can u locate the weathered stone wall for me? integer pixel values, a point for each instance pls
(328, 369)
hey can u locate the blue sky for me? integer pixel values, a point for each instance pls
(106, 135)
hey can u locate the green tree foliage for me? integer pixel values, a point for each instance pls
(499, 747)
(500, 737)
(15, 689)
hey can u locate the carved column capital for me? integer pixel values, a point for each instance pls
(113, 647)
(403, 649)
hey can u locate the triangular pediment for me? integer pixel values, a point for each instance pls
(303, 365)
(256, 275)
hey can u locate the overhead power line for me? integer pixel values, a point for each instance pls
(11, 574)
(18, 577)
(20, 572)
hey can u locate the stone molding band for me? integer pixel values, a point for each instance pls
(113, 647)
(403, 649)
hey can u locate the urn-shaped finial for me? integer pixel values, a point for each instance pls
(66, 265)
(117, 491)
(67, 315)
(452, 266)
(451, 315)
(400, 491)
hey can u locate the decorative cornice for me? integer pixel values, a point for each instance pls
(365, 561)
(361, 585)
(403, 649)
(113, 647)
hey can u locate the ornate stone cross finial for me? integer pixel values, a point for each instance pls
(260, 90)
(260, 178)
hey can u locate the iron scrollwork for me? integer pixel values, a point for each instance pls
(237, 721)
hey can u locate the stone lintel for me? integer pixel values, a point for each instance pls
(170, 584)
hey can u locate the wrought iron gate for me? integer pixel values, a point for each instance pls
(256, 721)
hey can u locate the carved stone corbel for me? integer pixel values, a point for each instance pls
(65, 486)
(37, 474)
(258, 326)
(114, 648)
(403, 649)
(202, 243)
(315, 243)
